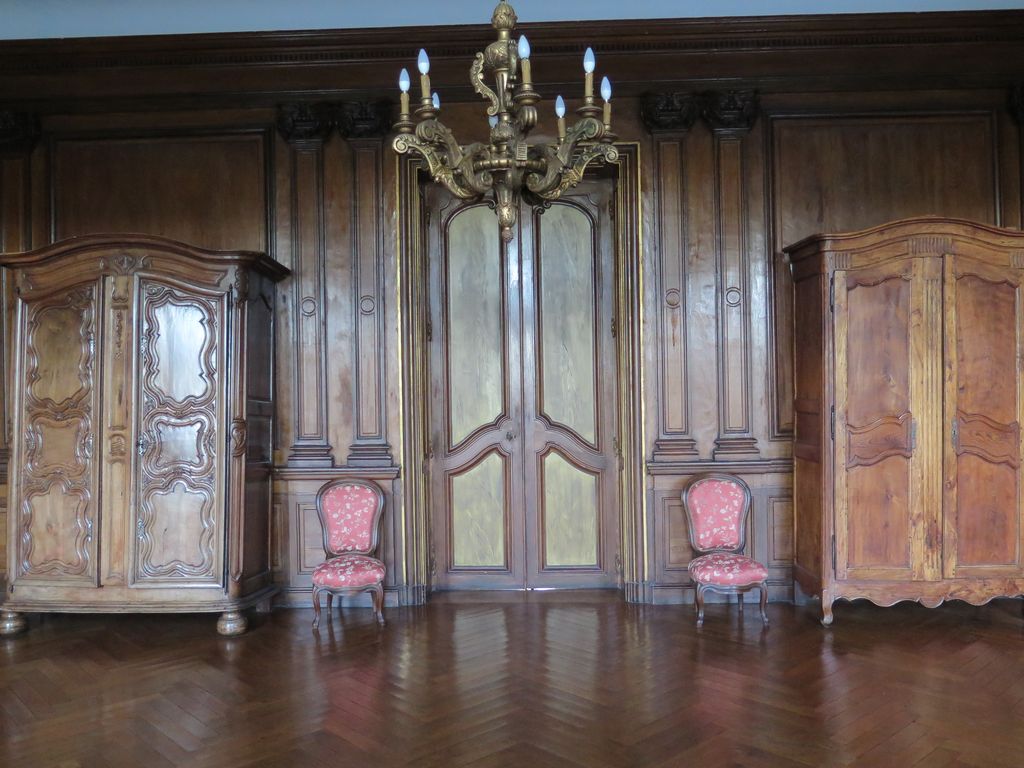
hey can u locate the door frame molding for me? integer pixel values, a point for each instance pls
(417, 559)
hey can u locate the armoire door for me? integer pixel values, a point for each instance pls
(181, 442)
(982, 534)
(887, 403)
(522, 460)
(55, 498)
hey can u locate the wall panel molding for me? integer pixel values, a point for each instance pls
(731, 115)
(305, 128)
(674, 440)
(370, 447)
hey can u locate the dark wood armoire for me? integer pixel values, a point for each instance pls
(907, 453)
(141, 385)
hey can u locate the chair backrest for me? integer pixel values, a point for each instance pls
(716, 512)
(350, 514)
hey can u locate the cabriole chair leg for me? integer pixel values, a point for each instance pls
(378, 603)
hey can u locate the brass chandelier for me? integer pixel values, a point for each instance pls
(508, 168)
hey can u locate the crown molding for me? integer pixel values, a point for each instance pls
(330, 47)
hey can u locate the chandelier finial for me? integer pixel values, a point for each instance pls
(504, 17)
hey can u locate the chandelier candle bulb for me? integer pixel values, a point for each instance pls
(423, 62)
(524, 60)
(403, 85)
(606, 94)
(436, 100)
(560, 114)
(589, 64)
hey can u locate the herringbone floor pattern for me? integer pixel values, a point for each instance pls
(568, 679)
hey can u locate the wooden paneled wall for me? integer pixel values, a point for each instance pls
(748, 135)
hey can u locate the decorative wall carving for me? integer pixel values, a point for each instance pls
(302, 122)
(725, 112)
(730, 113)
(676, 111)
(363, 119)
(19, 132)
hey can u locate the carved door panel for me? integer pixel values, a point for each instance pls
(982, 533)
(522, 466)
(475, 403)
(886, 346)
(180, 445)
(569, 366)
(56, 490)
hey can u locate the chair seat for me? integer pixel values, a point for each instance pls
(348, 571)
(725, 569)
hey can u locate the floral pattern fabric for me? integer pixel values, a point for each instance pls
(727, 570)
(716, 512)
(348, 512)
(349, 571)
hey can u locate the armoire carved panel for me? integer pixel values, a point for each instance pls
(54, 524)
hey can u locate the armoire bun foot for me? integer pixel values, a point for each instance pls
(12, 623)
(232, 623)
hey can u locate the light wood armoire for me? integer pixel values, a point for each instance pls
(909, 341)
(141, 393)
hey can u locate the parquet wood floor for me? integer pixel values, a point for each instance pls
(545, 679)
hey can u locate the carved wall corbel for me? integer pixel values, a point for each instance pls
(363, 119)
(664, 112)
(730, 113)
(304, 123)
(19, 132)
(725, 112)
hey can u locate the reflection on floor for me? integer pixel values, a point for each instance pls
(518, 679)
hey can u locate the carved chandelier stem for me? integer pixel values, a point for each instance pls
(509, 168)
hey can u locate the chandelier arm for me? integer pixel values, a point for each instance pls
(563, 157)
(476, 77)
(437, 134)
(570, 175)
(437, 165)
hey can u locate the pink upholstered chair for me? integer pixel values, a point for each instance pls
(350, 514)
(716, 511)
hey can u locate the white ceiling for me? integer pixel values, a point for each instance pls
(21, 19)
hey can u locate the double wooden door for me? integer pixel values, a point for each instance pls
(929, 405)
(523, 459)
